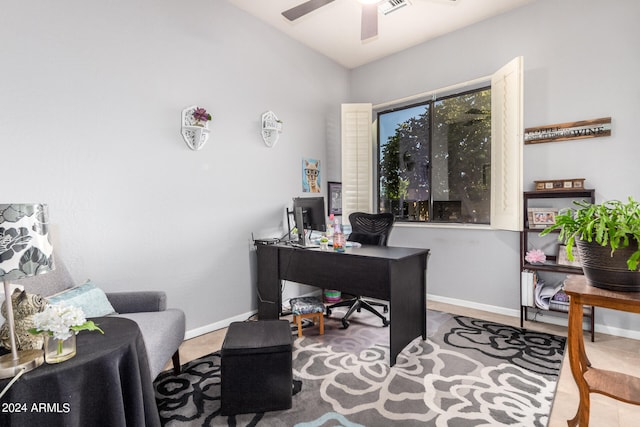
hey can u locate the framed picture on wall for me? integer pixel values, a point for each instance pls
(310, 175)
(335, 198)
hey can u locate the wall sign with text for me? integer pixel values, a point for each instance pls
(566, 131)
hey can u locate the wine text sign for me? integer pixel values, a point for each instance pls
(566, 131)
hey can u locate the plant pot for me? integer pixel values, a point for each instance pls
(607, 271)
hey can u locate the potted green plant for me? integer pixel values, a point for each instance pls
(607, 236)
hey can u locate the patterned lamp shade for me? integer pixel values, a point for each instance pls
(25, 249)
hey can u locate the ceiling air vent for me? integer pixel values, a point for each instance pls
(389, 6)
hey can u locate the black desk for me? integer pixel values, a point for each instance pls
(394, 274)
(107, 383)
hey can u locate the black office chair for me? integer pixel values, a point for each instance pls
(367, 229)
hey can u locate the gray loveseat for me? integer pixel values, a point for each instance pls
(162, 328)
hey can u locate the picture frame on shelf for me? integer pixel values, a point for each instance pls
(334, 204)
(563, 260)
(541, 217)
(560, 184)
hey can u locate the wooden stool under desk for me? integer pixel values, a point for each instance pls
(616, 385)
(307, 308)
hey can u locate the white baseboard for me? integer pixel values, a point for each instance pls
(470, 304)
(554, 320)
(192, 333)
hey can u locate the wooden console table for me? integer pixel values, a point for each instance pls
(616, 385)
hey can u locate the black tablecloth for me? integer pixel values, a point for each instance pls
(107, 383)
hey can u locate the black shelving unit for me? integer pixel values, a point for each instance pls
(550, 265)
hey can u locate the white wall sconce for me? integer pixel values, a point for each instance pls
(195, 126)
(271, 128)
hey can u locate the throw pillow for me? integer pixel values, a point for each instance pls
(91, 299)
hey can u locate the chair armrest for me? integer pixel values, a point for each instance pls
(137, 302)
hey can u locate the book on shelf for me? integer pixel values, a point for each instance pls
(528, 281)
(561, 296)
(544, 292)
(559, 304)
(560, 301)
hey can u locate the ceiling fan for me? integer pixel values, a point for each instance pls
(369, 24)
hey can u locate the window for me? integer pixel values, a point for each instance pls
(435, 159)
(503, 172)
(452, 167)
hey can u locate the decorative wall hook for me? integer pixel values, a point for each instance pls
(195, 126)
(271, 128)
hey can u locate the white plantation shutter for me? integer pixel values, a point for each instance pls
(506, 146)
(357, 161)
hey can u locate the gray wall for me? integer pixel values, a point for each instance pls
(581, 61)
(90, 100)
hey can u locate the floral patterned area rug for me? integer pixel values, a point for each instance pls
(468, 372)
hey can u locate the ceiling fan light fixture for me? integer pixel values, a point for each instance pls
(388, 6)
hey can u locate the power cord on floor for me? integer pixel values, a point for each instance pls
(535, 315)
(8, 386)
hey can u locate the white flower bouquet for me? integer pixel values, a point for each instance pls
(60, 321)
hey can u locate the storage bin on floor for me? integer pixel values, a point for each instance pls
(257, 371)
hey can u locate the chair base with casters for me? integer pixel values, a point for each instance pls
(356, 304)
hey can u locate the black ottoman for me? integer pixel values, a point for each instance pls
(257, 371)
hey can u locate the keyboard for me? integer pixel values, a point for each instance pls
(298, 245)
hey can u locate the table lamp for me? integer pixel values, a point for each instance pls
(25, 251)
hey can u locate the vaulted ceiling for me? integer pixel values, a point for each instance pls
(334, 29)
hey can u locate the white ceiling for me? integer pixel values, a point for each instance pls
(334, 29)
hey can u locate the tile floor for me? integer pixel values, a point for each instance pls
(608, 352)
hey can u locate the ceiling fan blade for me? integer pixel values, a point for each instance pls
(369, 25)
(304, 8)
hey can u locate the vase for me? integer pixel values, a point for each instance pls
(56, 351)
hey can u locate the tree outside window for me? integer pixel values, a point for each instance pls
(435, 160)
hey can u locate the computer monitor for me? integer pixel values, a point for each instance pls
(312, 210)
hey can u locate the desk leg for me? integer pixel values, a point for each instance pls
(408, 305)
(423, 298)
(579, 363)
(269, 298)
